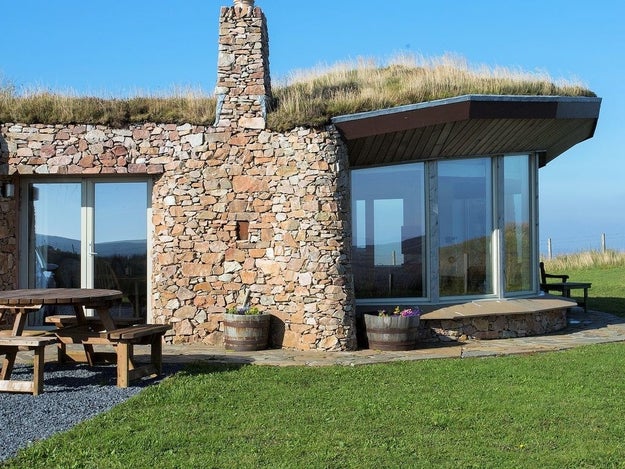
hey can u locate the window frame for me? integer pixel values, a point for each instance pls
(431, 291)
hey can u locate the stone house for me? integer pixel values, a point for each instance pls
(432, 204)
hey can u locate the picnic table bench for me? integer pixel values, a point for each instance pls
(10, 345)
(123, 339)
(65, 320)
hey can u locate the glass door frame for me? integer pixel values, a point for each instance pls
(87, 228)
(533, 203)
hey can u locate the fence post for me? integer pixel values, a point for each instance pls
(603, 246)
(549, 248)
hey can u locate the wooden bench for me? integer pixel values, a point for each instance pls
(566, 287)
(10, 345)
(123, 339)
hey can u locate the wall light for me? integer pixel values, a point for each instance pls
(8, 190)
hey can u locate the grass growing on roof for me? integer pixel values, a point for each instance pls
(45, 107)
(312, 97)
(497, 412)
(306, 98)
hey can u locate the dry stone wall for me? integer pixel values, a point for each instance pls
(497, 326)
(290, 193)
(8, 244)
(243, 87)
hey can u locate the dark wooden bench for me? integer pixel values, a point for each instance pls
(563, 286)
(544, 276)
(10, 345)
(566, 287)
(125, 340)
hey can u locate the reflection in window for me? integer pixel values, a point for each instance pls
(517, 224)
(388, 231)
(121, 262)
(54, 235)
(108, 221)
(465, 227)
(388, 215)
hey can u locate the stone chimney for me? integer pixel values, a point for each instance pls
(243, 83)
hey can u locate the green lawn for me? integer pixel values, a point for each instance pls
(561, 409)
(548, 410)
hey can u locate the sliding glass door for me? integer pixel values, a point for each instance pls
(90, 234)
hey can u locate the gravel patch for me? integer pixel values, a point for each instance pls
(72, 393)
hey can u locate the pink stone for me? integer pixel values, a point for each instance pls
(140, 134)
(47, 151)
(120, 150)
(137, 168)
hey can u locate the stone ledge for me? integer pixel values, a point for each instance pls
(497, 319)
(499, 307)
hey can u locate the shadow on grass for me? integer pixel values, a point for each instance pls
(612, 305)
(200, 367)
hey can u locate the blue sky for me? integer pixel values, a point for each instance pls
(114, 48)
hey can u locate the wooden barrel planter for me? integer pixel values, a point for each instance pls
(246, 332)
(393, 332)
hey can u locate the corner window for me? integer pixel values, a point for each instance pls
(444, 230)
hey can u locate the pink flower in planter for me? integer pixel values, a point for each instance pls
(406, 312)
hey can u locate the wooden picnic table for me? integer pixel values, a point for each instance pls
(79, 298)
(85, 332)
(22, 302)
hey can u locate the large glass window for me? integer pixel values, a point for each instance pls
(465, 223)
(478, 241)
(388, 222)
(517, 224)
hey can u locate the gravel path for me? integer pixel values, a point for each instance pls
(72, 393)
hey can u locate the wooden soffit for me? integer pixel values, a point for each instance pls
(472, 125)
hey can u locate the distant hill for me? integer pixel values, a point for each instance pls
(119, 248)
(131, 247)
(60, 243)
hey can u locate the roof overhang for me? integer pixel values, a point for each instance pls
(471, 125)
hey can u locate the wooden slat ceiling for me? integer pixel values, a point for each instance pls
(474, 125)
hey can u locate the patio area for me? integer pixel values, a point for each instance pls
(594, 327)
